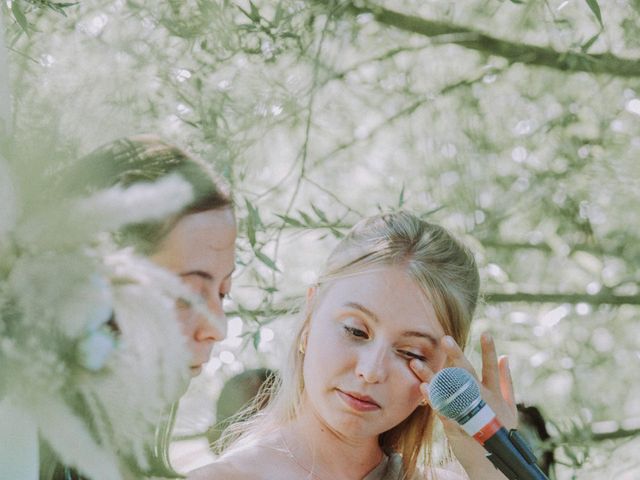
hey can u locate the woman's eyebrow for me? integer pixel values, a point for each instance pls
(363, 309)
(415, 333)
(205, 275)
(410, 333)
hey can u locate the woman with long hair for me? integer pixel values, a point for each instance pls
(394, 306)
(196, 244)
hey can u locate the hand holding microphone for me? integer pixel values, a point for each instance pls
(455, 394)
(483, 409)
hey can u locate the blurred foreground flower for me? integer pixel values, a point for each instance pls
(91, 351)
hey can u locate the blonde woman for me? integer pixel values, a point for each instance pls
(394, 306)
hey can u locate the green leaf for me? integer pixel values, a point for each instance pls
(279, 14)
(59, 7)
(321, 215)
(290, 221)
(306, 218)
(595, 8)
(518, 2)
(255, 13)
(587, 45)
(18, 14)
(251, 232)
(253, 221)
(266, 260)
(429, 213)
(244, 313)
(249, 27)
(401, 199)
(247, 14)
(336, 233)
(256, 339)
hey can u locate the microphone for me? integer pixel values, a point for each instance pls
(455, 394)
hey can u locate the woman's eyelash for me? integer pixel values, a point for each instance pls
(412, 355)
(356, 332)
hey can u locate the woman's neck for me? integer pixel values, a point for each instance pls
(316, 448)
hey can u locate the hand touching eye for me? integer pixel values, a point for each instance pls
(496, 389)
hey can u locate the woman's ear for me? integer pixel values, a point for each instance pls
(311, 294)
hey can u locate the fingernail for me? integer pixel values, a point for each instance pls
(486, 336)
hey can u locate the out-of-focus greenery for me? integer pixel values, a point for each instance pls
(514, 123)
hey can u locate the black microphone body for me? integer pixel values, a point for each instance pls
(455, 394)
(512, 456)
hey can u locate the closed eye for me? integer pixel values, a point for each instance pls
(356, 332)
(411, 355)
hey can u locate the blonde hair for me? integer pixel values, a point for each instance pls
(444, 270)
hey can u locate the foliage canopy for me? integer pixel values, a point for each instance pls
(514, 123)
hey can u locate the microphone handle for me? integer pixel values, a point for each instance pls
(510, 454)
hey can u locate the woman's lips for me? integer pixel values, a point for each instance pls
(358, 402)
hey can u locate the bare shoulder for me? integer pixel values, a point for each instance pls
(255, 462)
(216, 470)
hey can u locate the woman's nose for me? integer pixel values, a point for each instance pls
(214, 327)
(371, 366)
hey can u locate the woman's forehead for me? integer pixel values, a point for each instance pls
(388, 292)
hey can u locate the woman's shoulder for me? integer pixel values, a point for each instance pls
(218, 469)
(255, 461)
(238, 465)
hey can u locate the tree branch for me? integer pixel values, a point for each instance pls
(528, 54)
(573, 298)
(615, 434)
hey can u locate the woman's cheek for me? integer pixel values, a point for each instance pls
(412, 383)
(186, 317)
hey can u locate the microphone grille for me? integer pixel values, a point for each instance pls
(453, 392)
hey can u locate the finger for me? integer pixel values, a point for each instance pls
(506, 382)
(456, 355)
(424, 389)
(490, 375)
(421, 370)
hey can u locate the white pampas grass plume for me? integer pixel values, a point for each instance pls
(65, 290)
(67, 280)
(79, 221)
(149, 368)
(124, 264)
(69, 438)
(19, 440)
(117, 206)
